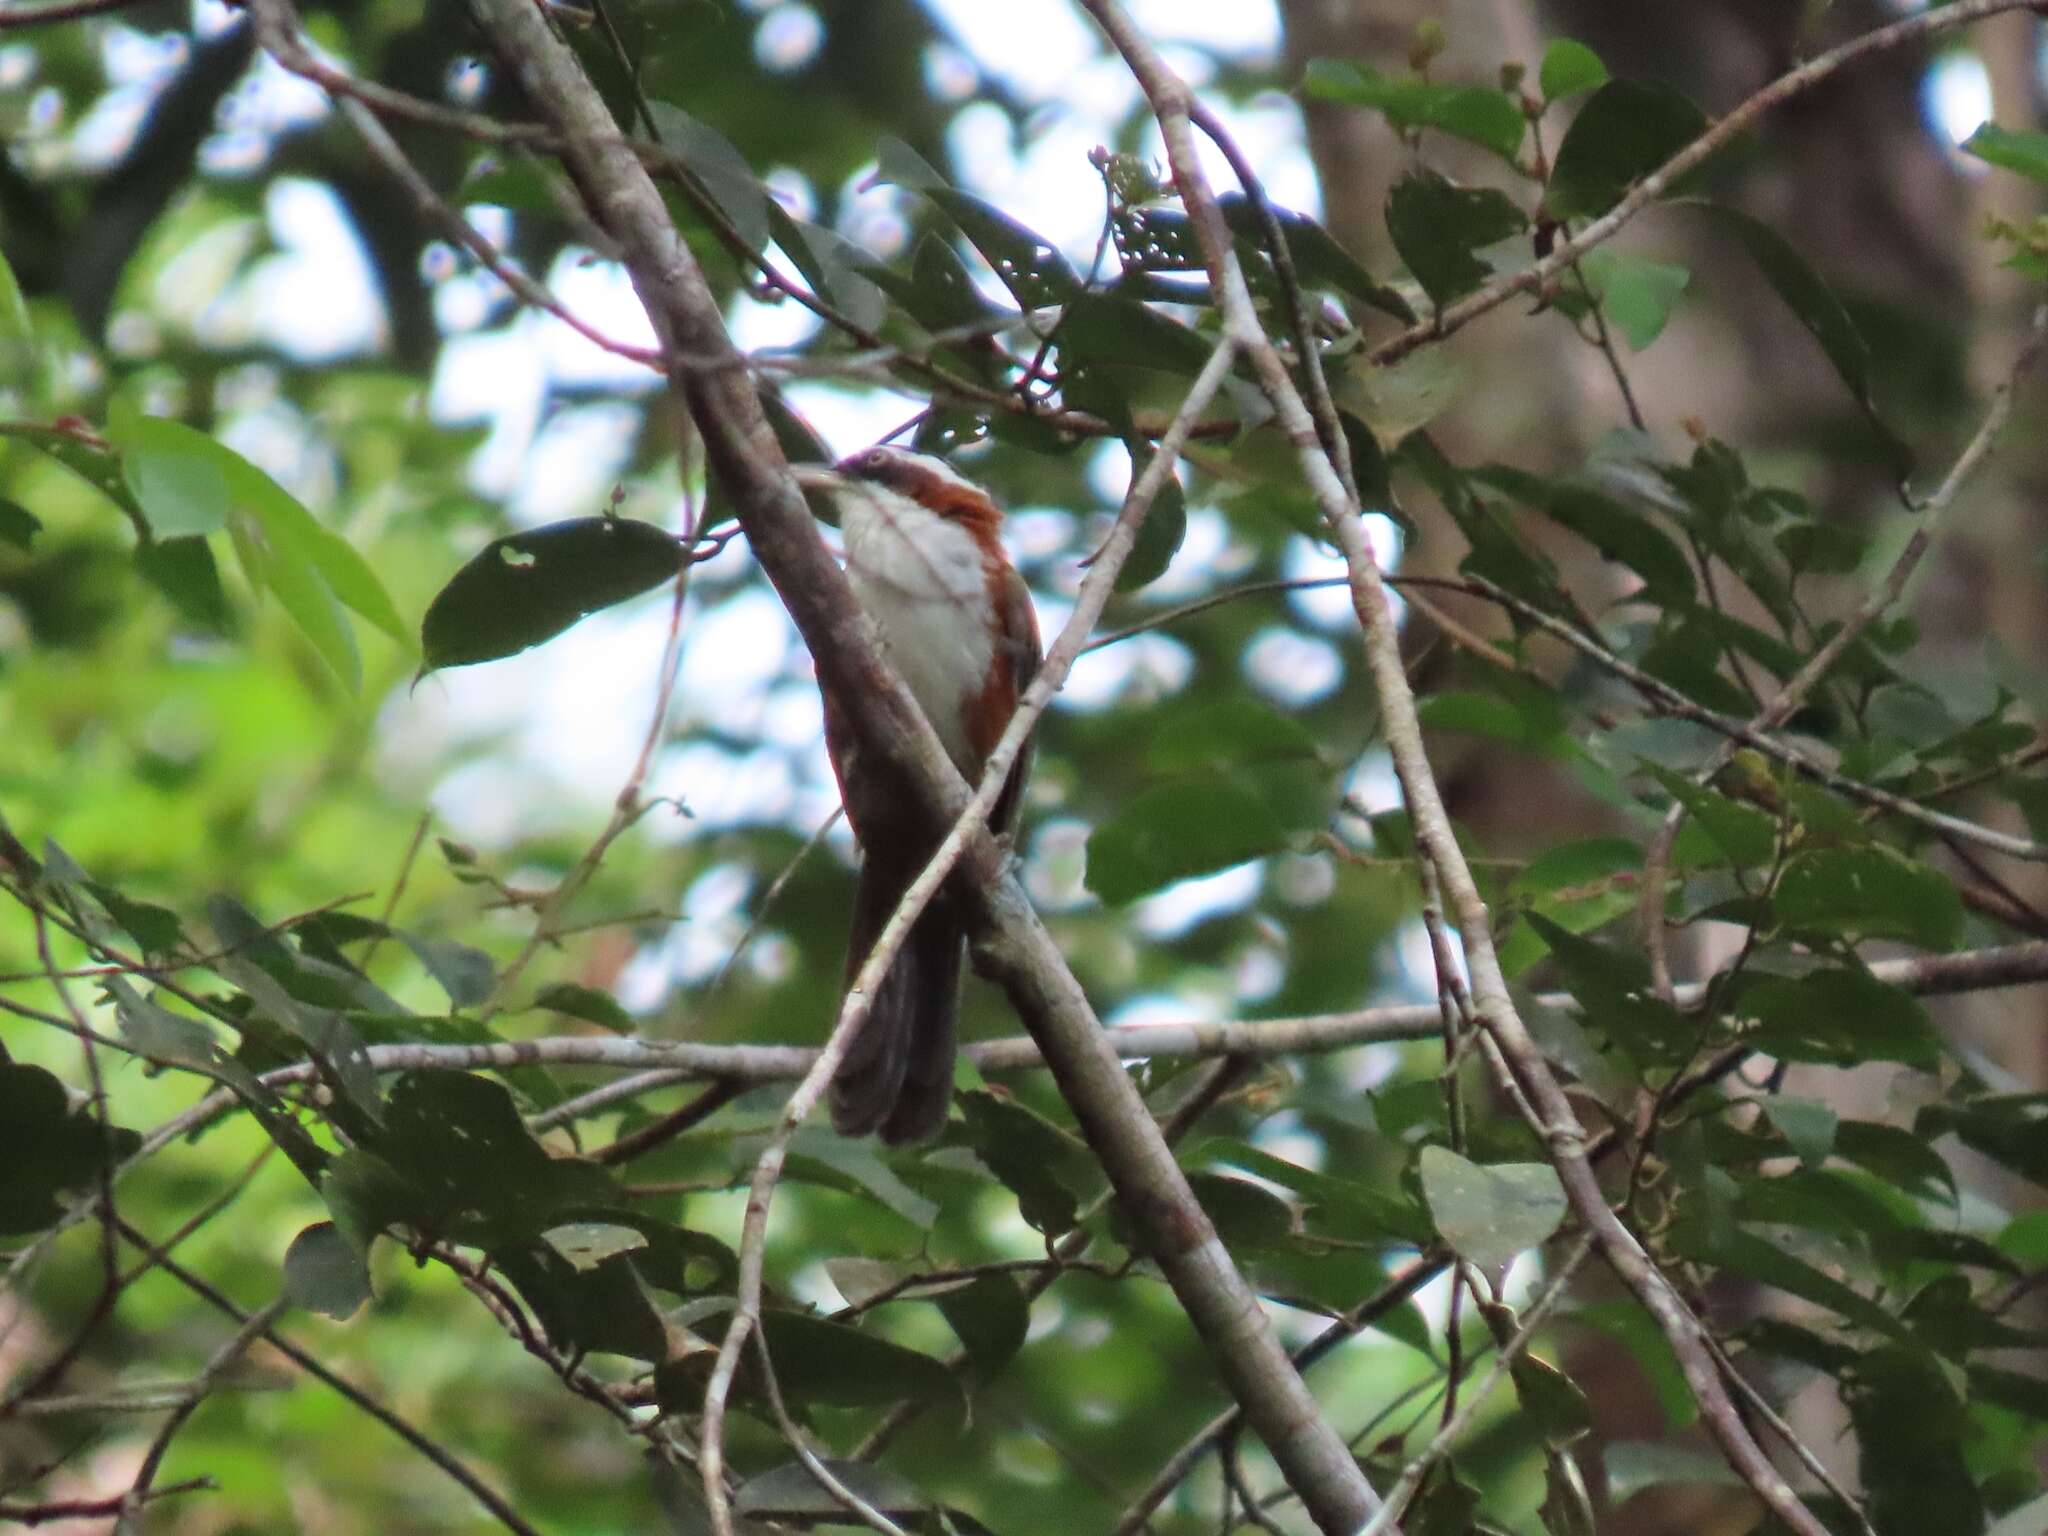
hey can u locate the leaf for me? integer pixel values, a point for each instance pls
(1349, 1209)
(1898, 1157)
(1839, 1015)
(325, 1273)
(2021, 150)
(1553, 1401)
(1025, 262)
(1870, 892)
(1481, 114)
(49, 1149)
(90, 461)
(721, 169)
(791, 1493)
(587, 1244)
(529, 587)
(1814, 304)
(1634, 1466)
(1807, 1124)
(990, 1317)
(1628, 129)
(1044, 1167)
(184, 571)
(1911, 1429)
(1490, 1214)
(834, 266)
(173, 470)
(1196, 825)
(1165, 526)
(18, 525)
(587, 1003)
(465, 974)
(1569, 67)
(1436, 226)
(1621, 533)
(1635, 293)
(1399, 398)
(818, 1361)
(1319, 258)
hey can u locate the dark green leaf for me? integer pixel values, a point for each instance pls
(817, 1361)
(1189, 826)
(1160, 535)
(529, 587)
(466, 975)
(1048, 1170)
(1871, 892)
(1627, 1321)
(1553, 1401)
(1897, 1156)
(1817, 308)
(1840, 1015)
(325, 1273)
(990, 1316)
(1319, 260)
(720, 169)
(1437, 226)
(49, 1149)
(837, 269)
(185, 572)
(1490, 1214)
(1624, 132)
(1910, 1427)
(586, 1003)
(1487, 117)
(1621, 533)
(18, 525)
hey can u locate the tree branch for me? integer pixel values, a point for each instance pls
(739, 444)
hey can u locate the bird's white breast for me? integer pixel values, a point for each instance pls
(922, 580)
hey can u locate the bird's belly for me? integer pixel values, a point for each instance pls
(940, 639)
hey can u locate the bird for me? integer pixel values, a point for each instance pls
(925, 558)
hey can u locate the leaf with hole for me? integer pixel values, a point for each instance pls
(529, 587)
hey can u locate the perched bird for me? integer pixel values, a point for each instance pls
(925, 558)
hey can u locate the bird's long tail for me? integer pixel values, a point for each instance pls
(898, 1077)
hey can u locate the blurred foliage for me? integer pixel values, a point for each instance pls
(244, 832)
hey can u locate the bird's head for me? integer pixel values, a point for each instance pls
(930, 482)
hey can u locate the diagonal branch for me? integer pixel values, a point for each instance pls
(712, 379)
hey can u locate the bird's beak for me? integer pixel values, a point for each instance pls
(817, 477)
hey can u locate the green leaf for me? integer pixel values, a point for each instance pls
(720, 169)
(2022, 150)
(1193, 826)
(1553, 1401)
(529, 587)
(1839, 1015)
(1569, 67)
(1026, 263)
(818, 1361)
(834, 266)
(49, 1149)
(1165, 526)
(324, 1272)
(1636, 294)
(466, 975)
(90, 461)
(586, 1003)
(17, 331)
(990, 1317)
(1635, 1466)
(1048, 1170)
(184, 571)
(174, 472)
(1816, 307)
(1807, 1124)
(1436, 226)
(1911, 1428)
(1346, 1208)
(1627, 1321)
(1490, 1214)
(1481, 114)
(1870, 892)
(1319, 259)
(1620, 532)
(1624, 132)
(18, 525)
(1897, 1156)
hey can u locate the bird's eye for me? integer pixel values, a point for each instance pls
(874, 458)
